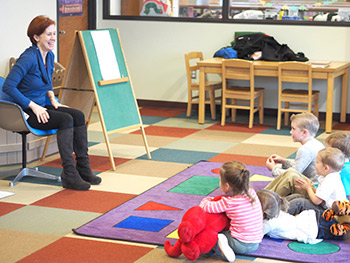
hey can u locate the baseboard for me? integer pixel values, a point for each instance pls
(183, 105)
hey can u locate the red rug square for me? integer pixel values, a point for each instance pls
(98, 163)
(342, 126)
(89, 201)
(81, 250)
(157, 112)
(167, 131)
(6, 208)
(238, 127)
(245, 159)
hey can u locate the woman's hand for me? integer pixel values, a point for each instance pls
(40, 112)
(53, 100)
(56, 104)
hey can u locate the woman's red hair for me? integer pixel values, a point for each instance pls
(38, 26)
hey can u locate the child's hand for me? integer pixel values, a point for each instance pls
(270, 163)
(277, 159)
(302, 184)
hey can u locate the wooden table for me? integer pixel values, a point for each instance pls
(270, 69)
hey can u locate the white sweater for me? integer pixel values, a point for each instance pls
(302, 227)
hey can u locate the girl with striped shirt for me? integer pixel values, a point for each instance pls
(242, 207)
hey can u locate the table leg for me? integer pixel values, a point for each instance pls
(329, 110)
(201, 103)
(344, 96)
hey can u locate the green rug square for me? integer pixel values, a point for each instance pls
(197, 185)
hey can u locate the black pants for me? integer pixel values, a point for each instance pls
(60, 118)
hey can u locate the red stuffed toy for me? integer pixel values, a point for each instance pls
(198, 233)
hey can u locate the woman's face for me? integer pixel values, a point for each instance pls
(46, 41)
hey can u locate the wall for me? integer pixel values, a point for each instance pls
(155, 52)
(15, 18)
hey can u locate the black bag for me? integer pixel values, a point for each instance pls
(247, 44)
(273, 51)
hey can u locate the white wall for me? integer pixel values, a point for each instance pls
(155, 52)
(15, 17)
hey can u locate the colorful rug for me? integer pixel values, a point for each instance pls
(153, 216)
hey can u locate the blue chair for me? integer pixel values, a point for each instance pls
(12, 118)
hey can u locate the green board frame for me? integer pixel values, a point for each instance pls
(117, 101)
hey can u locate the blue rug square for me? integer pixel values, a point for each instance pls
(144, 223)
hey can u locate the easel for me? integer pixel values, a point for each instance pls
(115, 99)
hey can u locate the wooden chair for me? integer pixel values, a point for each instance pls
(295, 72)
(191, 60)
(246, 98)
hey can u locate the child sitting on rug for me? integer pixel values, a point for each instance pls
(309, 226)
(341, 140)
(242, 207)
(329, 162)
(304, 127)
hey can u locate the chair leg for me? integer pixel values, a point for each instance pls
(189, 107)
(261, 109)
(279, 113)
(212, 104)
(251, 115)
(233, 111)
(286, 114)
(30, 171)
(35, 173)
(223, 111)
(316, 106)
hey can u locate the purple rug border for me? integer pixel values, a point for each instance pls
(105, 222)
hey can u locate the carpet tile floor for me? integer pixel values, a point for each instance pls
(36, 222)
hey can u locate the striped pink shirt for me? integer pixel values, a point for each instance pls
(246, 218)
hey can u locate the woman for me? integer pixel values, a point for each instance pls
(29, 84)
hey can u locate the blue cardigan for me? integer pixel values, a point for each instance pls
(29, 80)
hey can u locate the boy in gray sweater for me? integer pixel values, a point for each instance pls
(304, 127)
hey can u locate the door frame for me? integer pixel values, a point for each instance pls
(91, 20)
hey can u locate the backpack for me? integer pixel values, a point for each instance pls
(247, 44)
(274, 51)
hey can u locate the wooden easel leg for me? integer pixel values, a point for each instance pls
(111, 159)
(45, 148)
(145, 142)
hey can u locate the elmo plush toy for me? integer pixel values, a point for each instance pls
(198, 233)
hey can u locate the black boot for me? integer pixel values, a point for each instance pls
(81, 154)
(70, 176)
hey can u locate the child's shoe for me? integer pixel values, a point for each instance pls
(341, 208)
(223, 250)
(340, 229)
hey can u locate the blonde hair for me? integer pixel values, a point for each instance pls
(306, 121)
(341, 141)
(333, 157)
(271, 203)
(237, 176)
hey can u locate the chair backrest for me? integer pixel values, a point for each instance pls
(11, 114)
(12, 117)
(191, 60)
(295, 72)
(238, 69)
